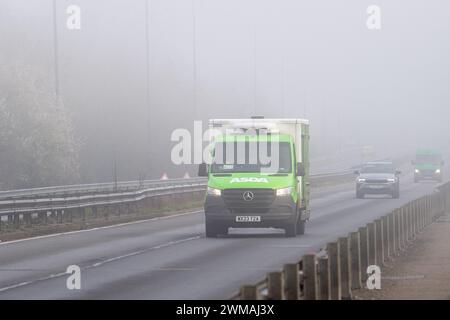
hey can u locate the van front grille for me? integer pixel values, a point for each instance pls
(262, 198)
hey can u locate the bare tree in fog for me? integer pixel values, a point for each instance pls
(37, 144)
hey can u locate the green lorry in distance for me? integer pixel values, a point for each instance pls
(247, 191)
(428, 165)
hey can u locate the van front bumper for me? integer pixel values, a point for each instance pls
(281, 212)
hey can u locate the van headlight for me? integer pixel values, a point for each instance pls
(361, 180)
(284, 192)
(438, 170)
(417, 171)
(214, 192)
(391, 180)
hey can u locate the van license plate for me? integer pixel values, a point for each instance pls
(248, 218)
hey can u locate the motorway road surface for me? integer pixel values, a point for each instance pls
(170, 258)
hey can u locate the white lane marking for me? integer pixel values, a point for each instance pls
(97, 264)
(286, 246)
(100, 228)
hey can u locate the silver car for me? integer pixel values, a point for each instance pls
(378, 177)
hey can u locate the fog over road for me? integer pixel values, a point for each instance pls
(170, 258)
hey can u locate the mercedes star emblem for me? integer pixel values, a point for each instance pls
(248, 196)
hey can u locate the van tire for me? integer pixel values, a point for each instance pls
(301, 226)
(211, 230)
(290, 230)
(359, 195)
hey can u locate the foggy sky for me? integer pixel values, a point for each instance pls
(284, 58)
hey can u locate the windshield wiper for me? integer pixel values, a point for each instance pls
(278, 174)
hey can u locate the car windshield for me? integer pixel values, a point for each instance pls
(428, 158)
(240, 156)
(378, 168)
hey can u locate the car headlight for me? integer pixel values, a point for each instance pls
(214, 192)
(417, 171)
(284, 192)
(438, 170)
(391, 180)
(361, 180)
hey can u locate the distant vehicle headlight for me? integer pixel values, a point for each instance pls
(284, 192)
(438, 170)
(361, 180)
(391, 180)
(417, 171)
(214, 192)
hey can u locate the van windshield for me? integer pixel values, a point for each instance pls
(378, 168)
(428, 158)
(244, 157)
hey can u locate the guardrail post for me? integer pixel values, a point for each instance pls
(398, 224)
(27, 219)
(335, 270)
(107, 211)
(94, 212)
(364, 250)
(404, 228)
(344, 259)
(392, 235)
(53, 215)
(16, 220)
(379, 236)
(309, 277)
(414, 219)
(406, 222)
(385, 237)
(275, 286)
(70, 215)
(249, 292)
(420, 220)
(421, 211)
(59, 216)
(372, 243)
(355, 260)
(291, 281)
(409, 220)
(324, 279)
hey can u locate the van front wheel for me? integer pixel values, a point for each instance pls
(290, 230)
(212, 230)
(301, 225)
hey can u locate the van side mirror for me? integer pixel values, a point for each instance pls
(442, 163)
(397, 172)
(300, 169)
(202, 170)
(356, 172)
(413, 162)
